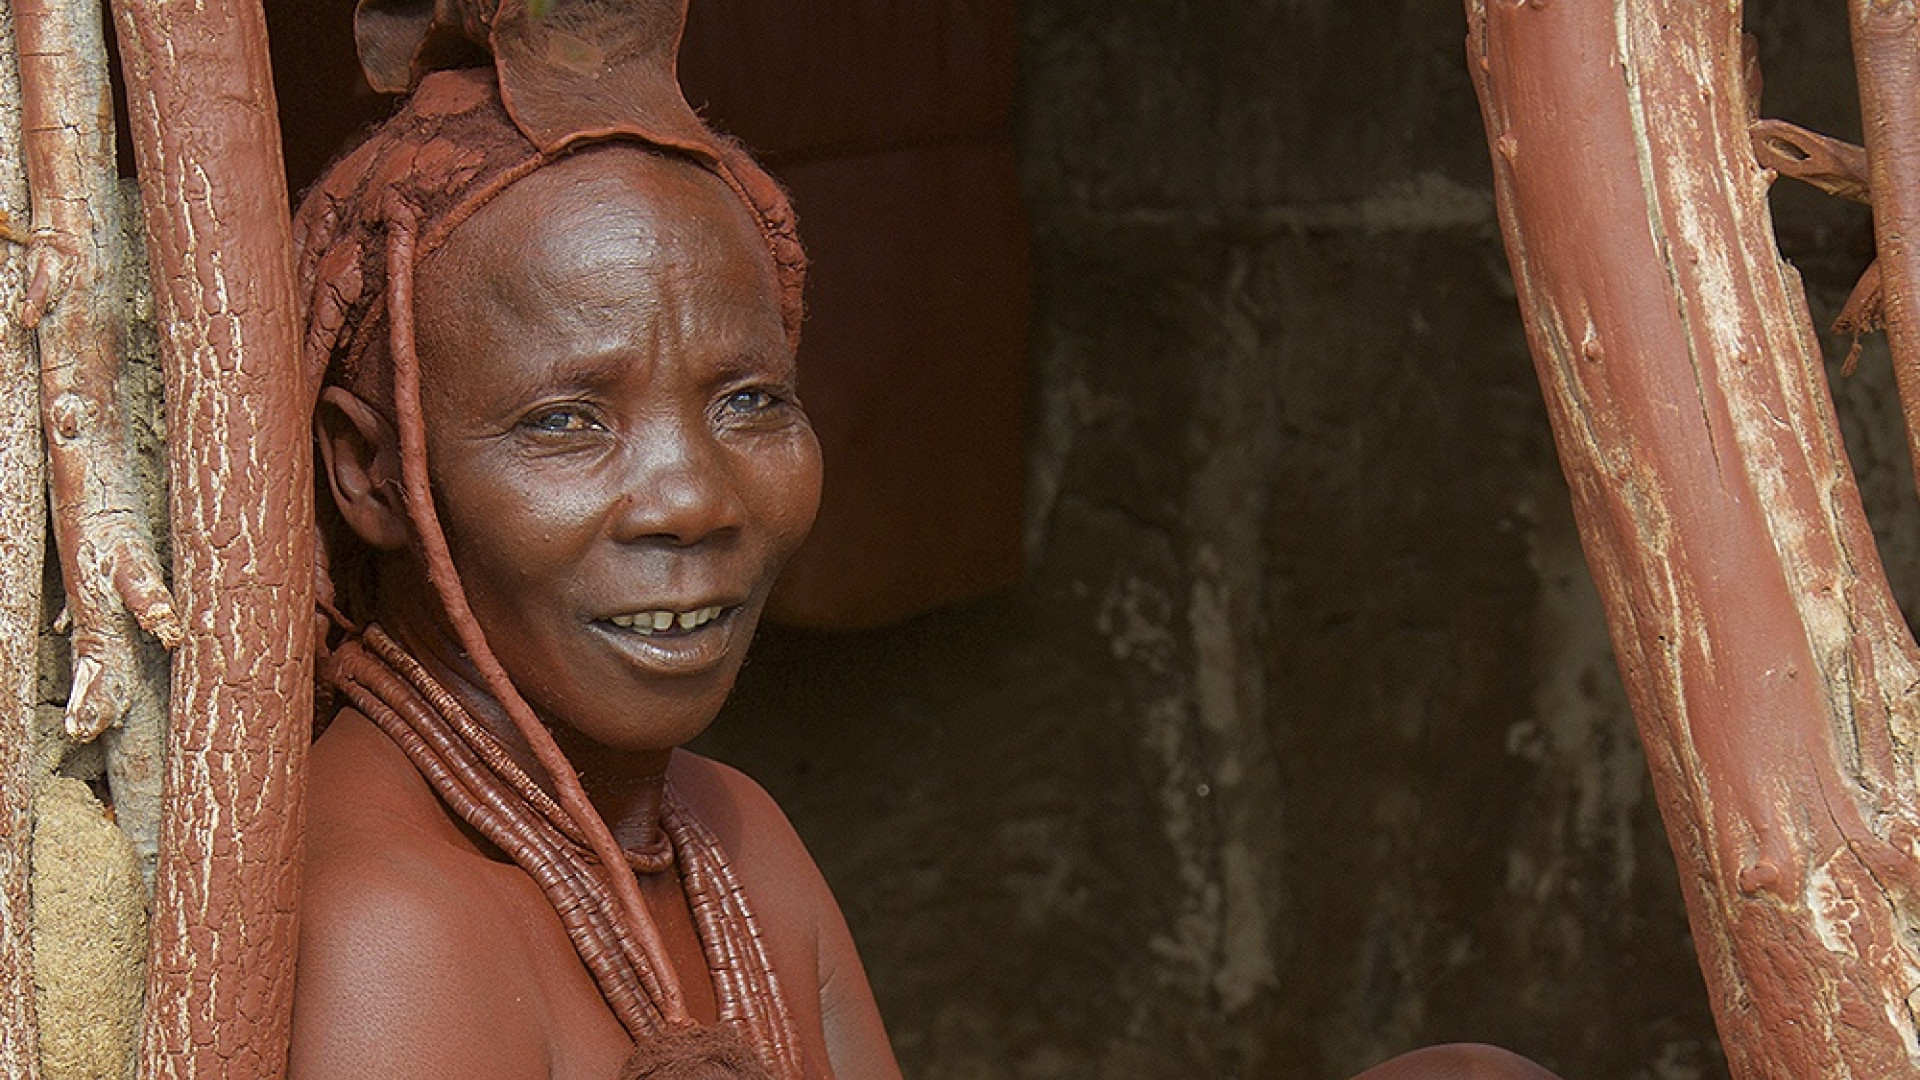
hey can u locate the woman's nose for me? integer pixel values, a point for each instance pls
(678, 488)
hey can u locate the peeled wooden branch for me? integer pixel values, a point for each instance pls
(107, 560)
(22, 510)
(207, 140)
(1771, 674)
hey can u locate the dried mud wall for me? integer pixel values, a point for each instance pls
(1302, 743)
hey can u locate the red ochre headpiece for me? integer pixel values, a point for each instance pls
(500, 88)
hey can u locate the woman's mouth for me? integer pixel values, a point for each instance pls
(674, 642)
(649, 623)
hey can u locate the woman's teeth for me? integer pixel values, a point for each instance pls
(653, 622)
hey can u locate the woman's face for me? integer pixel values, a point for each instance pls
(619, 460)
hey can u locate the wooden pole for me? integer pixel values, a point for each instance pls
(1771, 674)
(207, 143)
(22, 536)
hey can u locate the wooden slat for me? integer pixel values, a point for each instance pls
(22, 536)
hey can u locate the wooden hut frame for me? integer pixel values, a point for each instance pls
(1773, 677)
(207, 141)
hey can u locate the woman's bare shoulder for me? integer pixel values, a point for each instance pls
(752, 829)
(407, 950)
(725, 798)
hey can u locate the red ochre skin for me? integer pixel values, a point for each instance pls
(611, 428)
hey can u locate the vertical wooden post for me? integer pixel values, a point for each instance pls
(1771, 674)
(22, 536)
(207, 139)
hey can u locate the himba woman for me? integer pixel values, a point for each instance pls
(551, 325)
(551, 322)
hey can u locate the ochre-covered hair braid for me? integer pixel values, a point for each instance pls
(658, 972)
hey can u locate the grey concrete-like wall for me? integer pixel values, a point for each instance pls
(1302, 743)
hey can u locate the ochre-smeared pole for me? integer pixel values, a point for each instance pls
(207, 141)
(1886, 54)
(1771, 674)
(22, 514)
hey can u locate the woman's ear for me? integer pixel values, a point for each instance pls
(360, 453)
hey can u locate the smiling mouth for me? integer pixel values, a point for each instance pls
(673, 643)
(668, 623)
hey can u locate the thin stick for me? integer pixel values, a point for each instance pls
(22, 509)
(1833, 165)
(1886, 53)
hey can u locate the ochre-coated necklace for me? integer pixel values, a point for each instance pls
(477, 778)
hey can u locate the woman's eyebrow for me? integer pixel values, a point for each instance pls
(756, 363)
(509, 392)
(592, 371)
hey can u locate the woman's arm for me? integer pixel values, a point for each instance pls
(857, 1043)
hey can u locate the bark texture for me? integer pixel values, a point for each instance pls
(22, 512)
(207, 141)
(1771, 674)
(107, 560)
(135, 752)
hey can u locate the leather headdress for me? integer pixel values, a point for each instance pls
(500, 88)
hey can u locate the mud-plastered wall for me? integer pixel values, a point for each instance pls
(1301, 745)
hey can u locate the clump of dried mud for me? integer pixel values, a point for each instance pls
(89, 936)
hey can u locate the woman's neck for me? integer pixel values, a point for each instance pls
(626, 787)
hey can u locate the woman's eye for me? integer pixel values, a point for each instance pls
(561, 421)
(750, 402)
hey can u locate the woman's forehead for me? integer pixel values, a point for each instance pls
(613, 206)
(609, 252)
